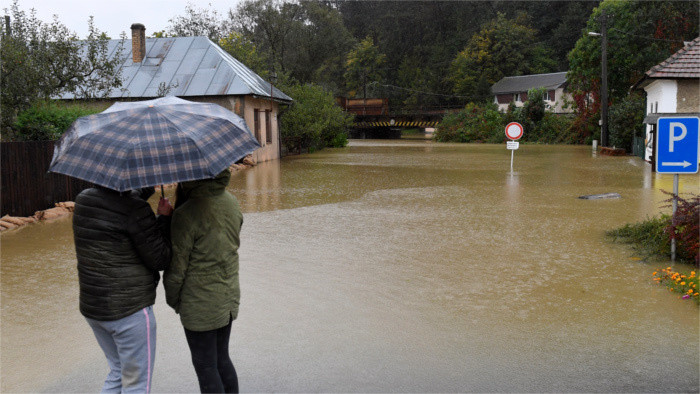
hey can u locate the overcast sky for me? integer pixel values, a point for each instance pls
(115, 16)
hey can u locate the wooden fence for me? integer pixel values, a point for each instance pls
(26, 185)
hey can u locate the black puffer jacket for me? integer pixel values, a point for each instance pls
(120, 246)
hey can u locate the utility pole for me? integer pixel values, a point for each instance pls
(604, 79)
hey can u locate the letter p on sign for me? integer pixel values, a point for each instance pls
(677, 145)
(672, 137)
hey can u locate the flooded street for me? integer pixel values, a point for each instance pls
(400, 266)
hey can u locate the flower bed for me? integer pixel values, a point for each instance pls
(685, 285)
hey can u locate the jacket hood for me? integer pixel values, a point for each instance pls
(203, 187)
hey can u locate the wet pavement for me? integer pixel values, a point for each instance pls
(400, 266)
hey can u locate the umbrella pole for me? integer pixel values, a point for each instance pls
(162, 192)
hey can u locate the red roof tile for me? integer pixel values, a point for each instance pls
(683, 64)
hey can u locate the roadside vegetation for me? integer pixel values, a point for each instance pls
(484, 123)
(313, 121)
(651, 238)
(420, 56)
(46, 120)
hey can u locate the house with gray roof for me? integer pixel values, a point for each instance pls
(197, 69)
(514, 89)
(672, 88)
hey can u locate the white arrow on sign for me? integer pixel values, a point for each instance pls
(676, 164)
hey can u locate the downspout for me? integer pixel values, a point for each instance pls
(280, 112)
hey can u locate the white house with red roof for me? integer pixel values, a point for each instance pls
(673, 89)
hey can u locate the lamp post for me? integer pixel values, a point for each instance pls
(604, 77)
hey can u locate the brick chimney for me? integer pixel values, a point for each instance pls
(138, 42)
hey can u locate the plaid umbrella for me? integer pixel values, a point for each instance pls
(147, 143)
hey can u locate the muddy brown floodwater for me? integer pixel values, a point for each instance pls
(400, 266)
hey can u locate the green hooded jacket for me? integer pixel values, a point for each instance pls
(201, 283)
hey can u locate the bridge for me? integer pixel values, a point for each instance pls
(374, 118)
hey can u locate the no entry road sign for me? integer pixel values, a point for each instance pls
(514, 130)
(677, 145)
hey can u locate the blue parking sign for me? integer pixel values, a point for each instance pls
(677, 145)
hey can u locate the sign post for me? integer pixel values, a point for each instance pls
(514, 131)
(677, 152)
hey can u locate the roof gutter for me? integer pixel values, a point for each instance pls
(273, 99)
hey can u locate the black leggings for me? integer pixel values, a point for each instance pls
(211, 361)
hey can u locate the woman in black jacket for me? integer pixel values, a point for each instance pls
(120, 246)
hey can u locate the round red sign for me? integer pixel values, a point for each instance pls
(514, 130)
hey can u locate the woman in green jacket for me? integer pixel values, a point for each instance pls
(201, 283)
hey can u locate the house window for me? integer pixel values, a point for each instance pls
(504, 98)
(268, 126)
(516, 97)
(256, 120)
(549, 96)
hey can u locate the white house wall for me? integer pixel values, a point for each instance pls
(661, 96)
(556, 106)
(561, 99)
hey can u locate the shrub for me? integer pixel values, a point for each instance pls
(475, 123)
(626, 121)
(653, 236)
(684, 227)
(484, 123)
(533, 108)
(314, 121)
(648, 237)
(47, 121)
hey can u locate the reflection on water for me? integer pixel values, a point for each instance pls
(400, 266)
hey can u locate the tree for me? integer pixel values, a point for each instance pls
(39, 61)
(198, 22)
(419, 39)
(306, 39)
(641, 34)
(503, 47)
(363, 66)
(559, 23)
(321, 44)
(270, 24)
(245, 51)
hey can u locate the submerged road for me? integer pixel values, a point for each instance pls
(400, 266)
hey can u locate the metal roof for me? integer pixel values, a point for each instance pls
(526, 82)
(191, 66)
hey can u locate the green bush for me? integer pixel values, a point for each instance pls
(47, 121)
(648, 237)
(475, 123)
(484, 123)
(314, 121)
(626, 119)
(653, 236)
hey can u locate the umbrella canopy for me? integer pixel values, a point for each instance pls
(132, 145)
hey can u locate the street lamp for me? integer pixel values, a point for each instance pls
(604, 77)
